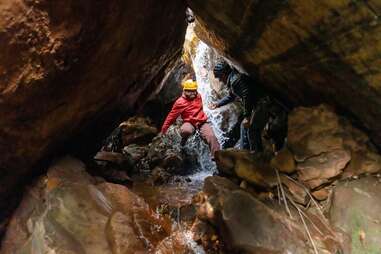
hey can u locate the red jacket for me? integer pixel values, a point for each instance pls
(190, 111)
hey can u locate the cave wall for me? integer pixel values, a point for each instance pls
(65, 65)
(304, 50)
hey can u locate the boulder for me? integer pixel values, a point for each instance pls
(321, 194)
(284, 161)
(205, 234)
(74, 68)
(363, 162)
(208, 203)
(112, 157)
(327, 146)
(160, 176)
(67, 211)
(135, 152)
(252, 227)
(254, 168)
(356, 210)
(304, 51)
(312, 131)
(247, 225)
(323, 167)
(137, 130)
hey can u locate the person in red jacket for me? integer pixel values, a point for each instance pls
(189, 107)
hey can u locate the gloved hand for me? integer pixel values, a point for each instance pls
(212, 106)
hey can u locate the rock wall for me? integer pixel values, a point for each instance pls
(65, 66)
(306, 51)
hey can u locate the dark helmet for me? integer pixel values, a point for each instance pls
(221, 68)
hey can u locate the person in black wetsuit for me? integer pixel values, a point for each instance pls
(259, 110)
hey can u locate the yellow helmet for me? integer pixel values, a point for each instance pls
(189, 85)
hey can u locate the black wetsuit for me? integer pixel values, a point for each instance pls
(258, 107)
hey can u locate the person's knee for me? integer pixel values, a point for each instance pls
(186, 130)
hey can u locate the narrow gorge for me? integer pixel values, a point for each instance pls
(85, 166)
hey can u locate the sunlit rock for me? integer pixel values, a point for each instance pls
(284, 161)
(254, 168)
(324, 166)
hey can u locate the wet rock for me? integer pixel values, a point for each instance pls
(207, 202)
(137, 130)
(112, 157)
(113, 166)
(172, 162)
(284, 161)
(160, 176)
(205, 234)
(158, 149)
(164, 152)
(324, 166)
(121, 234)
(178, 242)
(75, 67)
(255, 169)
(135, 152)
(356, 209)
(67, 211)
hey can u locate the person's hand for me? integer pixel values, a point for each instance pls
(246, 123)
(161, 135)
(212, 106)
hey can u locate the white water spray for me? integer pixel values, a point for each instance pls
(223, 119)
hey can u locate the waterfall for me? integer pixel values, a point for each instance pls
(222, 119)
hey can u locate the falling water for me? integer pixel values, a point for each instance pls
(223, 119)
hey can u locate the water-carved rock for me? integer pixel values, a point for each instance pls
(67, 211)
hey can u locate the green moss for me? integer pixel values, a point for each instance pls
(360, 223)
